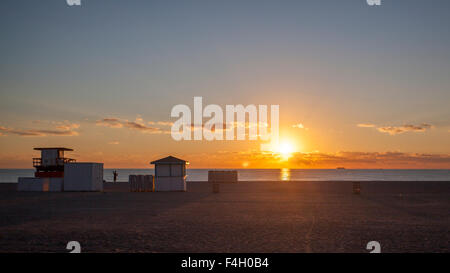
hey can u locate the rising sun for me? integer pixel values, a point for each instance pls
(286, 149)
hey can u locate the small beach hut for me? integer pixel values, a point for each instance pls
(170, 174)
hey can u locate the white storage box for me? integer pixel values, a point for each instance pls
(40, 184)
(223, 176)
(83, 176)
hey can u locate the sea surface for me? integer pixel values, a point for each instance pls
(11, 175)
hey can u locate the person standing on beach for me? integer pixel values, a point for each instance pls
(115, 174)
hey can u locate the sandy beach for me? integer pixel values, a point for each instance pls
(243, 217)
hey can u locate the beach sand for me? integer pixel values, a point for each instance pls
(244, 217)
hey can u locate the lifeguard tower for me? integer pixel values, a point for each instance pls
(54, 172)
(51, 163)
(170, 174)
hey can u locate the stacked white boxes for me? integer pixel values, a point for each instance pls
(223, 176)
(83, 176)
(132, 180)
(141, 183)
(46, 184)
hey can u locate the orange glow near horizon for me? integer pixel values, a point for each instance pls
(285, 149)
(304, 149)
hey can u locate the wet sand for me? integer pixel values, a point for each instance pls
(243, 217)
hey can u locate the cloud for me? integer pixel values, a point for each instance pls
(110, 122)
(67, 129)
(114, 143)
(299, 126)
(366, 125)
(163, 123)
(395, 130)
(138, 125)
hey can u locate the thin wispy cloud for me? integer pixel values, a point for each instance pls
(114, 143)
(68, 127)
(138, 125)
(152, 126)
(226, 126)
(366, 125)
(40, 132)
(110, 122)
(162, 123)
(63, 125)
(298, 125)
(395, 130)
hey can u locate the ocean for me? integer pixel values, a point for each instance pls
(11, 175)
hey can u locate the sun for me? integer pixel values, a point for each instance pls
(286, 148)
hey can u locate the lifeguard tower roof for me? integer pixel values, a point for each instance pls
(169, 160)
(53, 148)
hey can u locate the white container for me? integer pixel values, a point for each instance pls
(54, 183)
(45, 184)
(82, 176)
(223, 176)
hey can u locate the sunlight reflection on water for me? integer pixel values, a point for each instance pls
(285, 174)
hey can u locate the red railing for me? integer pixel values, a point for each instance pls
(37, 162)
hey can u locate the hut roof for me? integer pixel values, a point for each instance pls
(53, 148)
(169, 160)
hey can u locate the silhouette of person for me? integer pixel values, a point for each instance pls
(115, 174)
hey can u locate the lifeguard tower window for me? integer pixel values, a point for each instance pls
(163, 170)
(51, 163)
(170, 170)
(52, 159)
(176, 170)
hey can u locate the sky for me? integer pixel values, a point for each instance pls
(357, 86)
